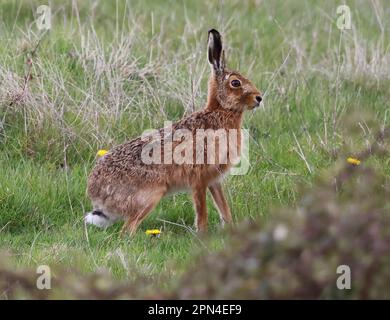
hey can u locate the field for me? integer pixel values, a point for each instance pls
(108, 70)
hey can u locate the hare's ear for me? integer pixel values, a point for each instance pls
(215, 53)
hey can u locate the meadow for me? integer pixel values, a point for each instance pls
(108, 70)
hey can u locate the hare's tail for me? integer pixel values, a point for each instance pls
(100, 218)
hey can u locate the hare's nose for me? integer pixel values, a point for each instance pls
(258, 99)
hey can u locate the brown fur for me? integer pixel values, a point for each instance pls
(124, 185)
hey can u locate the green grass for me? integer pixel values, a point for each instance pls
(102, 76)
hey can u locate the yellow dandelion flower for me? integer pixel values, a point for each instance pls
(353, 161)
(102, 152)
(153, 232)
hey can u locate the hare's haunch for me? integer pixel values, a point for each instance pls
(129, 181)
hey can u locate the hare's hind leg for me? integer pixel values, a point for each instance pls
(221, 203)
(140, 204)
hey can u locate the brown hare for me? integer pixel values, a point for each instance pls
(124, 186)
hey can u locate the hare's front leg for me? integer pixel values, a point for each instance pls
(220, 202)
(199, 197)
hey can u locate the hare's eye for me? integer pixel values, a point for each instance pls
(235, 83)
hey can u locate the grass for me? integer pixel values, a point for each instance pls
(108, 70)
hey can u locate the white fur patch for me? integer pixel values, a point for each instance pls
(96, 220)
